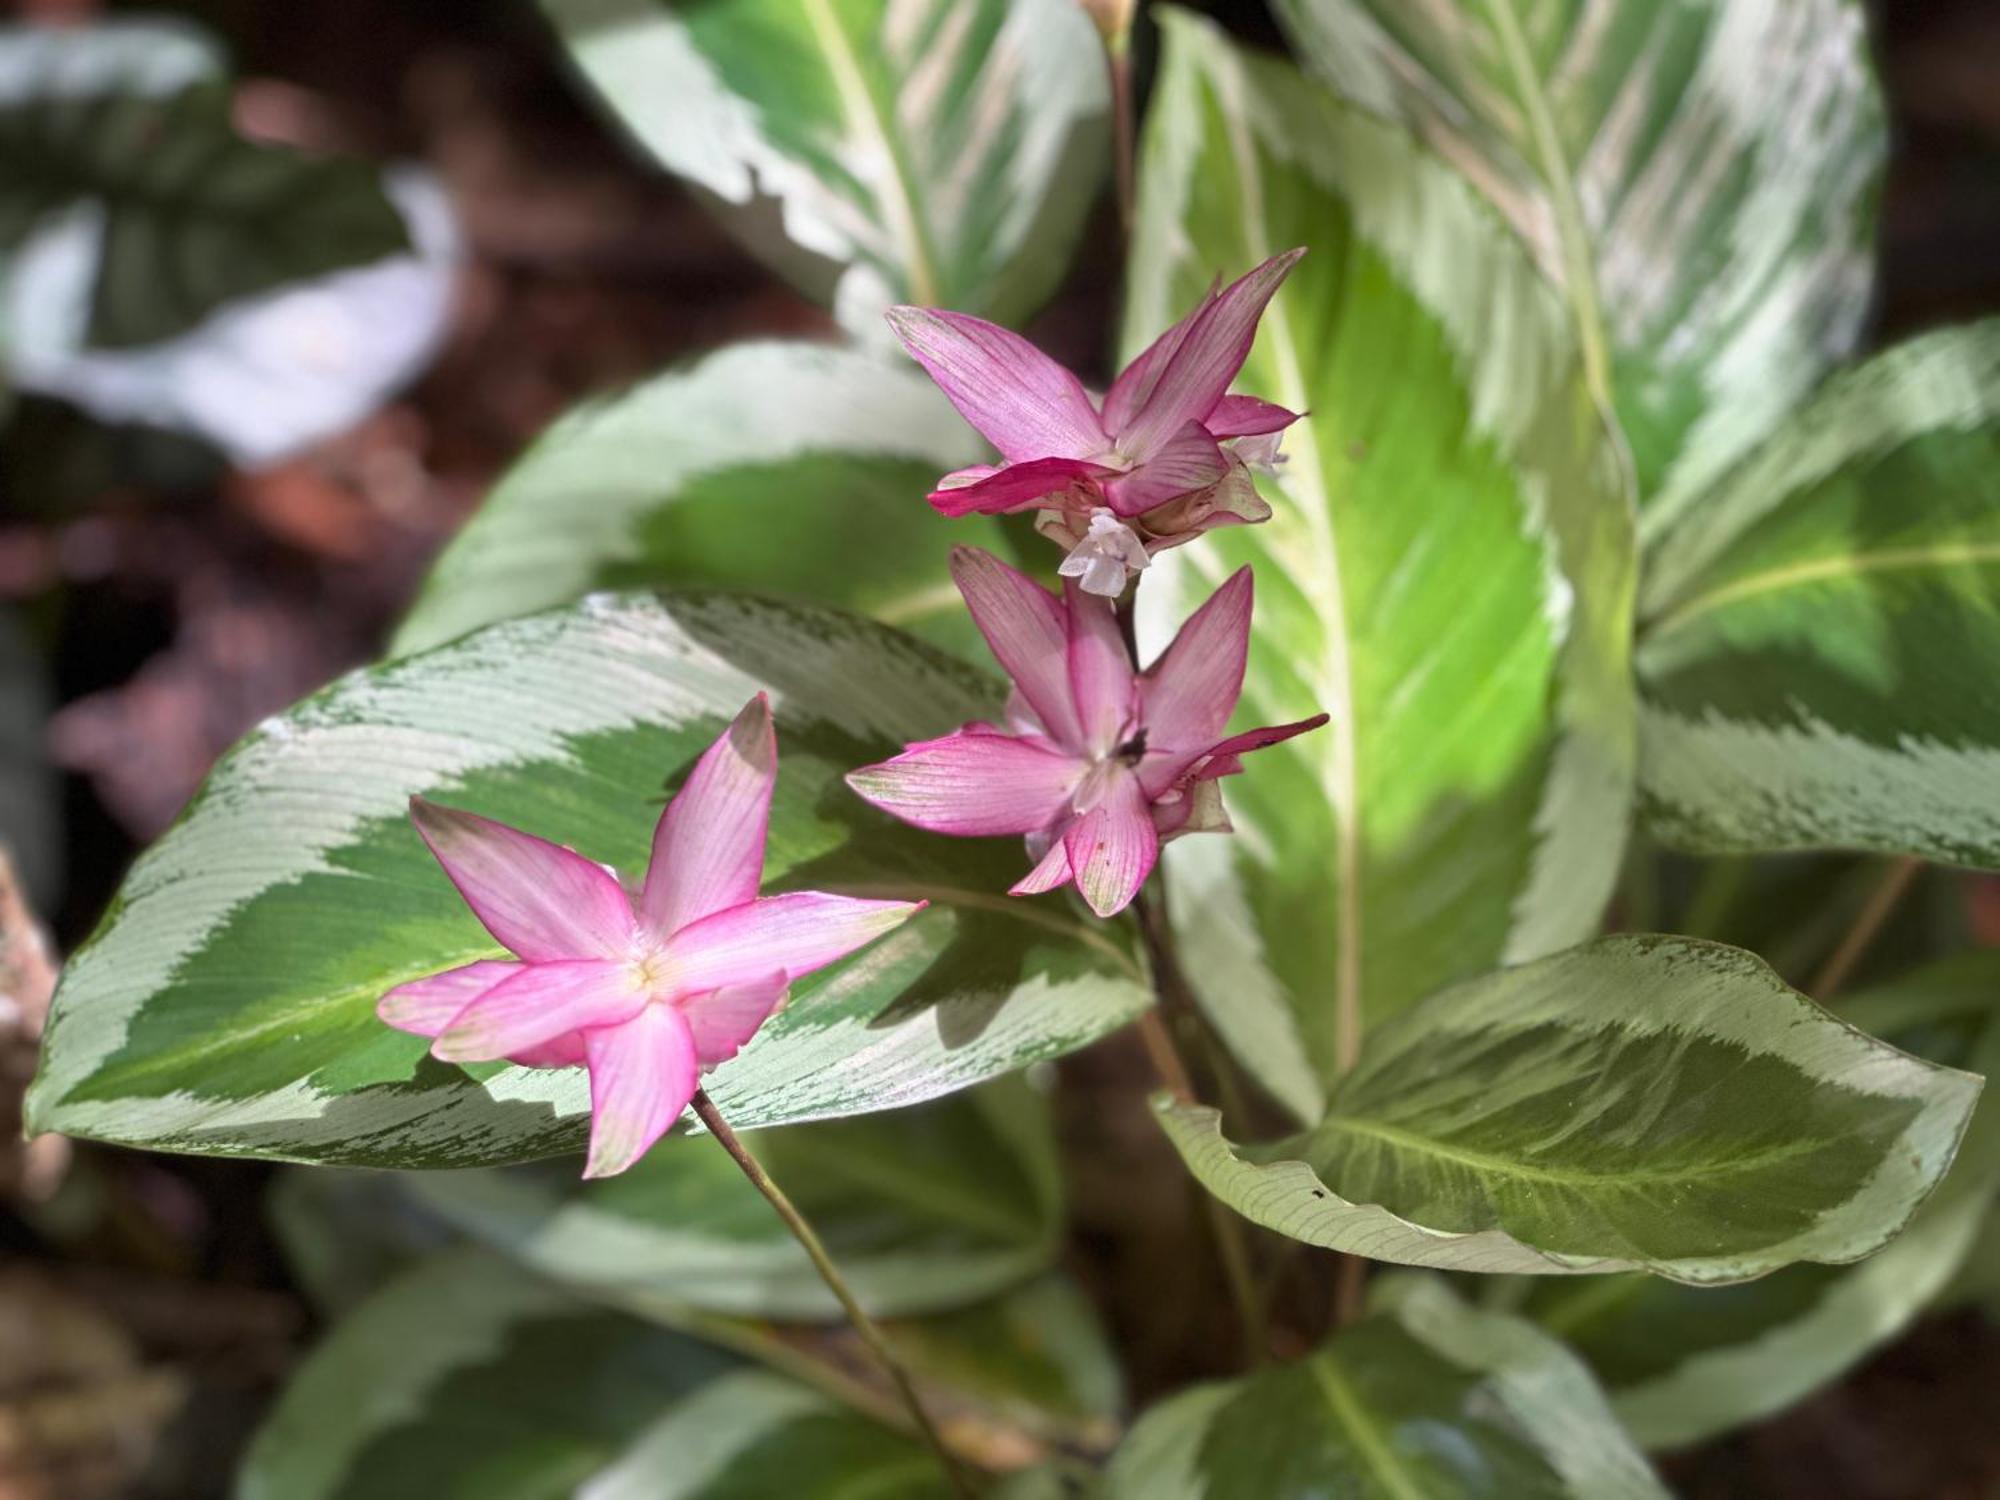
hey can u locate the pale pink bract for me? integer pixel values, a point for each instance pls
(1167, 456)
(1099, 763)
(643, 994)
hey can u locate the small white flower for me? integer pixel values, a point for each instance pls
(1108, 551)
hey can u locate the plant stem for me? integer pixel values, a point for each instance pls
(1171, 987)
(1868, 924)
(865, 1326)
(1118, 64)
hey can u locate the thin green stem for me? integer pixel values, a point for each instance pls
(865, 1326)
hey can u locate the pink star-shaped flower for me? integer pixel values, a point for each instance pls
(1099, 763)
(1167, 457)
(643, 994)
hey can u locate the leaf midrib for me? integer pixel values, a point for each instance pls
(1824, 569)
(172, 1060)
(1566, 1177)
(1341, 778)
(1362, 1430)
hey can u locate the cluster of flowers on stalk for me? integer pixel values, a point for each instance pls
(1096, 765)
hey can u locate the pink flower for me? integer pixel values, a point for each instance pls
(1167, 456)
(1099, 763)
(647, 993)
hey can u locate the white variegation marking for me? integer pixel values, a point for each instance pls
(922, 169)
(575, 504)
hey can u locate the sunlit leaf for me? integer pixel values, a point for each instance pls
(877, 151)
(1684, 1363)
(795, 469)
(227, 1003)
(1447, 574)
(1701, 177)
(1637, 1103)
(1816, 638)
(1424, 1399)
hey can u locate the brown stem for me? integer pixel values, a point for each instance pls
(1868, 924)
(810, 1242)
(1118, 64)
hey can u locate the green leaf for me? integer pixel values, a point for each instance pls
(798, 469)
(923, 1209)
(1683, 1364)
(1701, 178)
(110, 138)
(1817, 639)
(465, 1380)
(876, 152)
(1447, 572)
(1424, 1399)
(1648, 1103)
(227, 1003)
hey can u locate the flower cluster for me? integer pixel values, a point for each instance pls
(1166, 457)
(1097, 765)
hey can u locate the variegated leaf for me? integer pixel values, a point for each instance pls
(796, 469)
(1682, 1364)
(464, 1377)
(1424, 1399)
(123, 162)
(878, 151)
(227, 1003)
(1650, 1103)
(1448, 572)
(1700, 176)
(924, 1209)
(1818, 639)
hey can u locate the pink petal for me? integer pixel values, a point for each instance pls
(1026, 404)
(1207, 358)
(1190, 692)
(1051, 871)
(565, 1051)
(972, 785)
(424, 1007)
(1257, 739)
(1112, 848)
(1246, 416)
(1100, 670)
(1135, 383)
(1026, 629)
(708, 851)
(799, 933)
(724, 1021)
(642, 1075)
(1188, 462)
(539, 899)
(538, 1003)
(1022, 486)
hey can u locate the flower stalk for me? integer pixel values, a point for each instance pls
(809, 1241)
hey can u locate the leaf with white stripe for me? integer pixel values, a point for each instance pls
(1818, 641)
(1638, 1103)
(1423, 1399)
(796, 469)
(923, 1209)
(226, 1005)
(1700, 176)
(465, 1378)
(117, 141)
(1683, 1364)
(1447, 572)
(942, 152)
